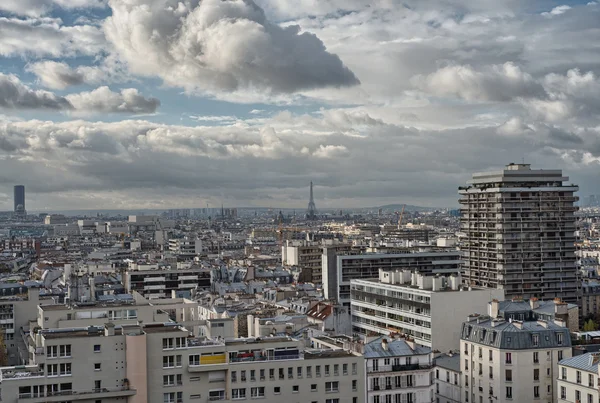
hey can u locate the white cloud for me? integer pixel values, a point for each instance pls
(103, 100)
(48, 37)
(15, 95)
(496, 83)
(213, 46)
(36, 8)
(558, 10)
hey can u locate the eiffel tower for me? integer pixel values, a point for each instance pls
(311, 213)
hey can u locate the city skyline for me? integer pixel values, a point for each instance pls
(376, 102)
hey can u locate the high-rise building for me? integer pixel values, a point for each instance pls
(520, 232)
(19, 198)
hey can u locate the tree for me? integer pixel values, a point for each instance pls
(3, 352)
(590, 326)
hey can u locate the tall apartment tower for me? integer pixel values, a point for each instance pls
(520, 228)
(19, 198)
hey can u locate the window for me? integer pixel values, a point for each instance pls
(96, 348)
(299, 372)
(65, 369)
(257, 392)
(536, 357)
(354, 370)
(238, 393)
(336, 369)
(243, 375)
(167, 343)
(466, 349)
(480, 352)
(536, 374)
(52, 369)
(509, 392)
(233, 376)
(97, 366)
(375, 365)
(535, 339)
(466, 364)
(216, 395)
(277, 390)
(590, 398)
(309, 372)
(509, 358)
(313, 387)
(559, 339)
(437, 374)
(169, 361)
(577, 396)
(168, 380)
(180, 342)
(332, 401)
(345, 369)
(65, 351)
(560, 355)
(326, 370)
(52, 351)
(318, 370)
(169, 397)
(490, 355)
(591, 380)
(331, 386)
(354, 385)
(272, 373)
(376, 399)
(295, 389)
(491, 372)
(563, 392)
(290, 373)
(252, 375)
(448, 376)
(564, 374)
(508, 375)
(194, 360)
(536, 392)
(178, 361)
(578, 376)
(281, 374)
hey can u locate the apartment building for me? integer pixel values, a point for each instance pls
(590, 297)
(578, 379)
(157, 281)
(304, 254)
(511, 361)
(162, 363)
(425, 307)
(336, 280)
(520, 232)
(398, 371)
(448, 379)
(534, 309)
(186, 247)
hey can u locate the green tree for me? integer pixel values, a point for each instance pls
(3, 352)
(590, 326)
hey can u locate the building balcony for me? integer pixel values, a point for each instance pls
(76, 395)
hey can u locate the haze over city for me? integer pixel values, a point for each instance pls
(164, 104)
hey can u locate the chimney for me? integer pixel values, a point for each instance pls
(384, 344)
(494, 308)
(411, 343)
(560, 308)
(109, 329)
(518, 324)
(534, 303)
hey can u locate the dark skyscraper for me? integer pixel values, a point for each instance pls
(19, 198)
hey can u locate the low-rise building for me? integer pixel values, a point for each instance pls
(398, 370)
(447, 379)
(578, 379)
(511, 361)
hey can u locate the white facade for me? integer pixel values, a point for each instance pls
(424, 307)
(578, 379)
(448, 379)
(398, 371)
(511, 361)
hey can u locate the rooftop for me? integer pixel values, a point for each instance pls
(586, 362)
(450, 362)
(319, 354)
(395, 348)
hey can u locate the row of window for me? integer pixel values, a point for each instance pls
(507, 356)
(591, 377)
(171, 343)
(395, 398)
(563, 395)
(58, 351)
(300, 371)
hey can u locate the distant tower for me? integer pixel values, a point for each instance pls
(19, 198)
(311, 213)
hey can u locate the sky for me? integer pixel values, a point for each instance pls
(119, 104)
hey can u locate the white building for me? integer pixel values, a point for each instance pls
(398, 371)
(336, 279)
(448, 379)
(511, 361)
(424, 307)
(520, 232)
(578, 379)
(186, 246)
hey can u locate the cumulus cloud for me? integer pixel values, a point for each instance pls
(215, 45)
(103, 100)
(558, 10)
(56, 75)
(14, 94)
(36, 8)
(496, 83)
(48, 37)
